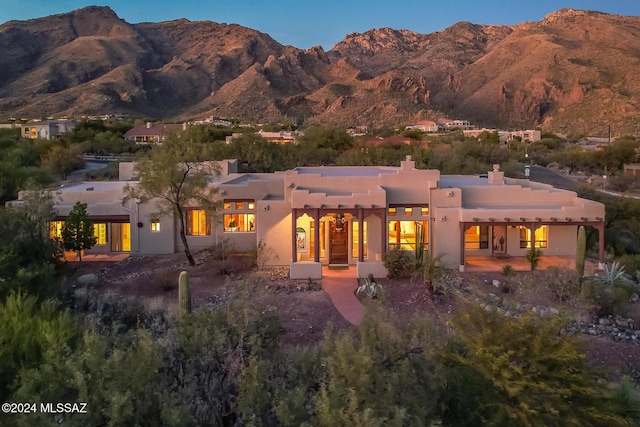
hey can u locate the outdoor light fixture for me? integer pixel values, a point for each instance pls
(339, 223)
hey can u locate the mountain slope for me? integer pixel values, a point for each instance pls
(572, 71)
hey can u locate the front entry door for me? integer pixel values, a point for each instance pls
(499, 239)
(339, 241)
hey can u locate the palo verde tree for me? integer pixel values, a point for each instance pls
(175, 176)
(77, 232)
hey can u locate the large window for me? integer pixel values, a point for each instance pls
(198, 224)
(55, 229)
(239, 222)
(476, 237)
(354, 250)
(407, 234)
(540, 237)
(100, 233)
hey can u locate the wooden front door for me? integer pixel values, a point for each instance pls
(339, 241)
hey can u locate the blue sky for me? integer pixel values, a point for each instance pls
(307, 23)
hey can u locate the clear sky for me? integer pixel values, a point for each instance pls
(307, 23)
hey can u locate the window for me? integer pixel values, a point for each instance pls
(540, 237)
(408, 234)
(227, 205)
(392, 211)
(155, 225)
(239, 222)
(100, 233)
(239, 206)
(424, 211)
(198, 223)
(408, 211)
(55, 229)
(476, 237)
(356, 236)
(251, 205)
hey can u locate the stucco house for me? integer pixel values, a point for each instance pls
(152, 133)
(312, 217)
(48, 129)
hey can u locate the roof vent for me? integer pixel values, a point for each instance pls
(89, 189)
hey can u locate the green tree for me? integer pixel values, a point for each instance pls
(503, 371)
(176, 175)
(77, 232)
(62, 160)
(27, 253)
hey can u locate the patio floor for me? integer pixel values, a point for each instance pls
(482, 264)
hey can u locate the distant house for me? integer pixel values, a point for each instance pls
(424, 126)
(391, 140)
(279, 137)
(447, 124)
(151, 133)
(632, 170)
(506, 136)
(48, 129)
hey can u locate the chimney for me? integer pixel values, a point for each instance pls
(407, 164)
(149, 124)
(184, 126)
(496, 176)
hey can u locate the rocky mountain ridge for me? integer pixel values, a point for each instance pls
(573, 71)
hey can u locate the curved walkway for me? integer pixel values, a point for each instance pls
(340, 285)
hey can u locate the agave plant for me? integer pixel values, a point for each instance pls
(613, 275)
(369, 286)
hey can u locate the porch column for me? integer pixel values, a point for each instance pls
(600, 228)
(463, 228)
(384, 231)
(294, 249)
(316, 236)
(361, 235)
(533, 236)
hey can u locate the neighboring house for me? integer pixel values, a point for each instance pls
(390, 140)
(506, 136)
(48, 129)
(309, 217)
(447, 124)
(279, 137)
(424, 126)
(632, 170)
(151, 133)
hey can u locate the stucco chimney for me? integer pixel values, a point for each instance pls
(184, 126)
(149, 124)
(496, 176)
(407, 164)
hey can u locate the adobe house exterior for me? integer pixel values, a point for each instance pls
(310, 217)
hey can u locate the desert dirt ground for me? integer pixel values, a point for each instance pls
(306, 310)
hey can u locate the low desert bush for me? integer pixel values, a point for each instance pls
(399, 263)
(610, 291)
(166, 280)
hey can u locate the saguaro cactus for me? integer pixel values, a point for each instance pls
(581, 252)
(184, 295)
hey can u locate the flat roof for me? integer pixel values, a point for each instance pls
(95, 185)
(353, 171)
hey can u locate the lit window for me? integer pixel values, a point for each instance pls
(155, 225)
(100, 233)
(55, 229)
(239, 205)
(227, 205)
(198, 223)
(407, 235)
(392, 211)
(408, 211)
(356, 236)
(540, 236)
(251, 205)
(476, 237)
(239, 222)
(424, 211)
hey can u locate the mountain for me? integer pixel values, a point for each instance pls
(574, 71)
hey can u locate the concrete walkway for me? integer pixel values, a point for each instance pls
(340, 285)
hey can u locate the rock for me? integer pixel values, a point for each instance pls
(496, 283)
(604, 321)
(88, 280)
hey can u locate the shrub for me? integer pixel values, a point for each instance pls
(611, 291)
(631, 264)
(398, 263)
(564, 283)
(507, 270)
(222, 249)
(533, 256)
(166, 280)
